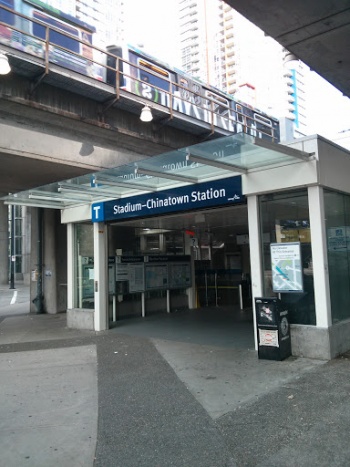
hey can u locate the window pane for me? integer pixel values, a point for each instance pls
(84, 266)
(285, 219)
(337, 212)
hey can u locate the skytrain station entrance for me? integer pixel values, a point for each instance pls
(207, 251)
(212, 227)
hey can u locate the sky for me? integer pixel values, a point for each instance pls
(329, 110)
(153, 29)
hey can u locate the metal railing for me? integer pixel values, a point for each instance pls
(174, 98)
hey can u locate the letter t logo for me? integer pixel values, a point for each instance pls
(96, 210)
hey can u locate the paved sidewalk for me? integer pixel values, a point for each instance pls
(80, 398)
(14, 301)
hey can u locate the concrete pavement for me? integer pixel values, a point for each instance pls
(122, 398)
(14, 301)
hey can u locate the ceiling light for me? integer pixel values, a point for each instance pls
(4, 65)
(146, 114)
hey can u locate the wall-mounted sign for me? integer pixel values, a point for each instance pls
(339, 238)
(222, 192)
(286, 267)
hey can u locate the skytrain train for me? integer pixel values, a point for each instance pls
(151, 79)
(26, 25)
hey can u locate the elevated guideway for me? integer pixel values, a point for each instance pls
(82, 108)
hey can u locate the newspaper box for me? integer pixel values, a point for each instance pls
(273, 329)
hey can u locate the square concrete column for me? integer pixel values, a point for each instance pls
(4, 244)
(100, 277)
(71, 259)
(319, 257)
(255, 254)
(50, 255)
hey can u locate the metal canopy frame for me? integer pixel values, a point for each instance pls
(211, 160)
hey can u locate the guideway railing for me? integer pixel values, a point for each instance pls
(93, 62)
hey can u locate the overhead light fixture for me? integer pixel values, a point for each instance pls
(146, 114)
(4, 65)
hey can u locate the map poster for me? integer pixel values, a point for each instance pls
(286, 267)
(156, 276)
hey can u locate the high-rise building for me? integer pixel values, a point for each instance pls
(296, 75)
(221, 47)
(107, 16)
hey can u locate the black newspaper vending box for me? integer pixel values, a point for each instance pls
(272, 328)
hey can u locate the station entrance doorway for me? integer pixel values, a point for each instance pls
(218, 244)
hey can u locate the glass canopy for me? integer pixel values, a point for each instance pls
(211, 160)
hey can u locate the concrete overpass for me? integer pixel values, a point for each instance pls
(53, 133)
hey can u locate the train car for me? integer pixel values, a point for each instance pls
(70, 46)
(256, 123)
(147, 77)
(70, 39)
(224, 111)
(8, 19)
(203, 102)
(142, 74)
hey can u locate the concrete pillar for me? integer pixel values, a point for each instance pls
(319, 257)
(54, 262)
(50, 282)
(61, 262)
(71, 288)
(4, 244)
(100, 277)
(33, 257)
(26, 245)
(255, 254)
(191, 291)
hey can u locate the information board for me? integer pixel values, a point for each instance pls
(339, 238)
(286, 267)
(179, 275)
(156, 276)
(122, 271)
(136, 277)
(154, 272)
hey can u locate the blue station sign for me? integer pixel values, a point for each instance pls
(227, 191)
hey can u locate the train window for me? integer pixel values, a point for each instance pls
(240, 116)
(184, 82)
(6, 16)
(217, 99)
(219, 104)
(154, 68)
(260, 119)
(55, 37)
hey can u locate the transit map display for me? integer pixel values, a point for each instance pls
(286, 267)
